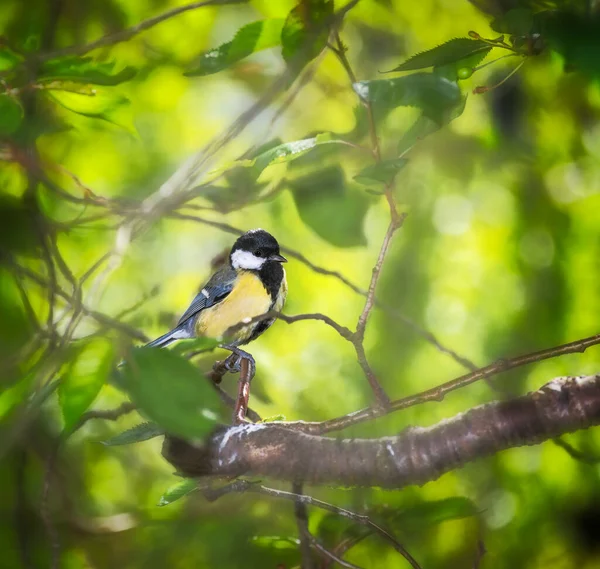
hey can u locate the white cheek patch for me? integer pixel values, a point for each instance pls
(241, 259)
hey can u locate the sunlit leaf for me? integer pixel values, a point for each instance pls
(380, 173)
(448, 52)
(249, 39)
(83, 70)
(11, 114)
(101, 104)
(276, 541)
(319, 194)
(433, 94)
(305, 31)
(83, 380)
(170, 391)
(178, 491)
(137, 434)
(286, 152)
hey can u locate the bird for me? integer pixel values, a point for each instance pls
(251, 284)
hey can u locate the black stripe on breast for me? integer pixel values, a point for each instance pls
(271, 275)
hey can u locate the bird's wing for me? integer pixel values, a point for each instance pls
(214, 291)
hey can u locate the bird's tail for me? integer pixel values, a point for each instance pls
(166, 339)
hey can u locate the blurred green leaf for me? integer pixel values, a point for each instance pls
(170, 391)
(380, 173)
(177, 491)
(99, 104)
(305, 31)
(327, 206)
(577, 39)
(83, 70)
(194, 344)
(11, 114)
(17, 226)
(426, 514)
(515, 22)
(448, 52)
(83, 380)
(8, 58)
(433, 94)
(137, 434)
(276, 541)
(424, 126)
(249, 39)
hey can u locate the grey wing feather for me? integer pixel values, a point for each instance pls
(215, 290)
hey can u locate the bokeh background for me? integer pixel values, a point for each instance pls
(499, 255)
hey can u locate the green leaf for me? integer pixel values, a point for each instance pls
(380, 173)
(83, 70)
(448, 52)
(286, 152)
(426, 514)
(433, 94)
(170, 391)
(11, 114)
(84, 379)
(276, 541)
(194, 344)
(305, 32)
(516, 22)
(330, 208)
(98, 104)
(577, 39)
(424, 126)
(137, 434)
(18, 232)
(177, 491)
(8, 58)
(248, 40)
(455, 70)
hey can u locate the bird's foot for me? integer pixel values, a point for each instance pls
(233, 363)
(244, 363)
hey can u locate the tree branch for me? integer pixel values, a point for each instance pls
(128, 33)
(415, 456)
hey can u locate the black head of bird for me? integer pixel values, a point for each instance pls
(253, 249)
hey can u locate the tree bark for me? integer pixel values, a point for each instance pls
(415, 456)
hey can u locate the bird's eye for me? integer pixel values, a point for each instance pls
(260, 253)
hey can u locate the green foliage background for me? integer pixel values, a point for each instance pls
(500, 255)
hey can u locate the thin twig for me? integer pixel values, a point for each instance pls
(330, 555)
(301, 514)
(576, 453)
(98, 316)
(425, 334)
(439, 392)
(249, 486)
(128, 33)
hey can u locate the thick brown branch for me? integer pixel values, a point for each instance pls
(415, 456)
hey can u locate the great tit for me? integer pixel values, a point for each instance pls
(250, 285)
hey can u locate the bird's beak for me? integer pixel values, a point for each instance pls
(278, 258)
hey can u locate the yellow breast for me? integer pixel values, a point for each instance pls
(248, 299)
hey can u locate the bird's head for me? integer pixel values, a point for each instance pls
(253, 249)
